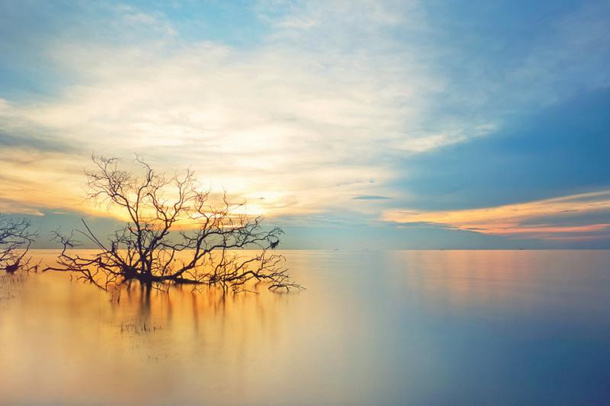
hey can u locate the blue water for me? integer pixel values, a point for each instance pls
(383, 328)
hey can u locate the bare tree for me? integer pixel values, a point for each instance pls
(175, 234)
(16, 238)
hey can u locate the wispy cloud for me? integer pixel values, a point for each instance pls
(297, 120)
(371, 197)
(545, 219)
(314, 116)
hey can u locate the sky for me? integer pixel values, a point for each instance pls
(361, 124)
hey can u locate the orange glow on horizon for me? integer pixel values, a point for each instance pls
(516, 219)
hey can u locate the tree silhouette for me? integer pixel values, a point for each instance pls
(175, 234)
(16, 238)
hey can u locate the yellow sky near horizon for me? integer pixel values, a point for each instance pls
(348, 113)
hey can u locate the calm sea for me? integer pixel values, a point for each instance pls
(372, 328)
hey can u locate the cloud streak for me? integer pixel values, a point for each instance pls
(296, 121)
(318, 110)
(537, 219)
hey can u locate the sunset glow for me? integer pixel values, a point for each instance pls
(318, 114)
(304, 202)
(533, 219)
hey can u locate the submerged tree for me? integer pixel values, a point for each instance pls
(175, 234)
(16, 238)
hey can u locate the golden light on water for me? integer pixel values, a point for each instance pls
(425, 313)
(304, 202)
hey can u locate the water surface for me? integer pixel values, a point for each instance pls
(404, 327)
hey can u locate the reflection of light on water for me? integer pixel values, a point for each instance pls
(90, 337)
(508, 281)
(372, 328)
(463, 278)
(10, 285)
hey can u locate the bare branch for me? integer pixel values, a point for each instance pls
(16, 237)
(175, 234)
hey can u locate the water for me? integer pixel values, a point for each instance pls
(408, 327)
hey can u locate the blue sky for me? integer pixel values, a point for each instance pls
(362, 124)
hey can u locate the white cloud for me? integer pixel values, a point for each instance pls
(309, 127)
(329, 99)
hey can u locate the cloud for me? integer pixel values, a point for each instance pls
(559, 150)
(297, 124)
(297, 105)
(371, 197)
(543, 219)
